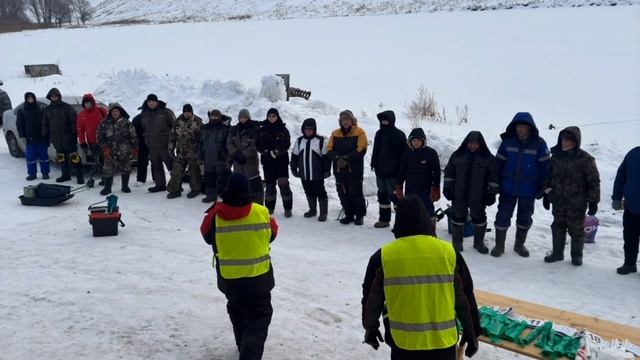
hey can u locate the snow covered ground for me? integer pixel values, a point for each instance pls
(225, 10)
(150, 292)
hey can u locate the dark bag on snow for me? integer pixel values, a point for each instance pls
(52, 191)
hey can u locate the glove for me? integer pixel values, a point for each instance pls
(106, 153)
(342, 163)
(447, 192)
(327, 174)
(472, 345)
(616, 204)
(435, 193)
(273, 153)
(373, 338)
(593, 208)
(490, 199)
(545, 202)
(239, 157)
(84, 147)
(540, 194)
(294, 172)
(399, 193)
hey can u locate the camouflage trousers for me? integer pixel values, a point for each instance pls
(177, 172)
(117, 163)
(571, 221)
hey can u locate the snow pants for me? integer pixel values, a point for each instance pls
(250, 317)
(571, 221)
(506, 206)
(349, 186)
(386, 196)
(37, 154)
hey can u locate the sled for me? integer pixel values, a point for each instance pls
(47, 194)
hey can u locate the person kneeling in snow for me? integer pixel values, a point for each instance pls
(421, 285)
(573, 184)
(240, 232)
(309, 162)
(119, 144)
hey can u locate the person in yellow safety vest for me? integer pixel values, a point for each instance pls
(240, 233)
(422, 287)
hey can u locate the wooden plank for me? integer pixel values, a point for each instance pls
(607, 329)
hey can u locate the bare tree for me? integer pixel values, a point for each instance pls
(83, 10)
(12, 10)
(61, 11)
(34, 7)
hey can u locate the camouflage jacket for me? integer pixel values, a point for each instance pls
(119, 136)
(184, 137)
(573, 180)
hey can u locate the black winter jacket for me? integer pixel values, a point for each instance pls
(212, 149)
(29, 122)
(470, 177)
(389, 145)
(59, 124)
(419, 169)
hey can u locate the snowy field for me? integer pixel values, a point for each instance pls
(150, 292)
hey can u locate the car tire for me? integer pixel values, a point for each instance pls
(14, 148)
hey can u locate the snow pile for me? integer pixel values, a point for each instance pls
(130, 88)
(273, 88)
(206, 10)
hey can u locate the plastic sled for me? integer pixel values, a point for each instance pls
(44, 201)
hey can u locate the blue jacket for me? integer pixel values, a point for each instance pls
(523, 166)
(627, 183)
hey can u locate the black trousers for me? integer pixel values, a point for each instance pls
(314, 189)
(439, 354)
(214, 183)
(250, 317)
(159, 158)
(349, 186)
(143, 164)
(631, 235)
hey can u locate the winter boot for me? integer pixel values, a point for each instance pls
(32, 177)
(312, 207)
(288, 213)
(211, 195)
(381, 224)
(478, 239)
(174, 195)
(108, 181)
(324, 205)
(192, 194)
(557, 254)
(457, 236)
(577, 245)
(501, 235)
(125, 183)
(66, 173)
(156, 188)
(347, 219)
(359, 220)
(521, 237)
(45, 176)
(627, 269)
(79, 175)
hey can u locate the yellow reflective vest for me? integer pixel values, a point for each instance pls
(243, 245)
(419, 292)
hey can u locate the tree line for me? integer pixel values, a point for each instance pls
(46, 12)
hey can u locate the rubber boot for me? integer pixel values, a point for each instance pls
(478, 239)
(518, 247)
(501, 235)
(577, 245)
(457, 236)
(557, 254)
(324, 207)
(312, 201)
(125, 183)
(108, 181)
(627, 269)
